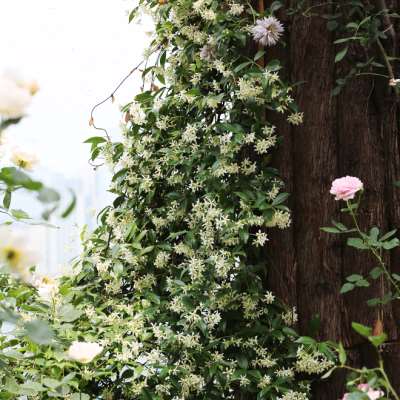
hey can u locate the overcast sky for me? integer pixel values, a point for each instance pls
(78, 51)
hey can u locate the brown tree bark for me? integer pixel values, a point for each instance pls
(355, 133)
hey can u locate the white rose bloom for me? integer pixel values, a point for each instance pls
(47, 288)
(14, 99)
(15, 76)
(84, 352)
(23, 159)
(15, 253)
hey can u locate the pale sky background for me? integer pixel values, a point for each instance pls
(77, 50)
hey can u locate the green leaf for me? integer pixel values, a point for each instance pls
(391, 244)
(328, 373)
(362, 283)
(15, 177)
(68, 313)
(373, 233)
(79, 396)
(347, 287)
(95, 140)
(259, 54)
(396, 277)
(378, 340)
(31, 388)
(388, 235)
(70, 207)
(340, 226)
(354, 278)
(242, 361)
(306, 340)
(242, 66)
(51, 383)
(282, 197)
(361, 329)
(47, 195)
(342, 354)
(357, 243)
(39, 332)
(376, 272)
(374, 302)
(146, 395)
(7, 199)
(339, 56)
(330, 229)
(19, 214)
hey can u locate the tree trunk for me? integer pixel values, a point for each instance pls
(354, 133)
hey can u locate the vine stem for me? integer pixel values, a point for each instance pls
(386, 378)
(110, 97)
(381, 370)
(373, 251)
(387, 63)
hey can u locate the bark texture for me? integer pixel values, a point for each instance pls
(355, 133)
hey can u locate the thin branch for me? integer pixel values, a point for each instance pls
(110, 97)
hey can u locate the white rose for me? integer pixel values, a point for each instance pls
(15, 76)
(23, 159)
(47, 288)
(14, 99)
(16, 254)
(84, 352)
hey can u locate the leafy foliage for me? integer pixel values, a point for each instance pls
(173, 281)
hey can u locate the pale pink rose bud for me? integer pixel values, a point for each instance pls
(371, 393)
(345, 188)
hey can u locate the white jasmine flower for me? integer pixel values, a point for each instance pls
(189, 134)
(281, 219)
(84, 352)
(292, 395)
(312, 362)
(23, 159)
(264, 382)
(47, 288)
(15, 253)
(290, 317)
(271, 77)
(191, 383)
(198, 5)
(248, 89)
(244, 381)
(269, 298)
(287, 373)
(263, 145)
(267, 31)
(261, 238)
(208, 15)
(137, 114)
(296, 118)
(236, 9)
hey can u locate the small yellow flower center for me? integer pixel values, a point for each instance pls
(23, 164)
(12, 256)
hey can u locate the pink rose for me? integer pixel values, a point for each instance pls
(371, 393)
(345, 188)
